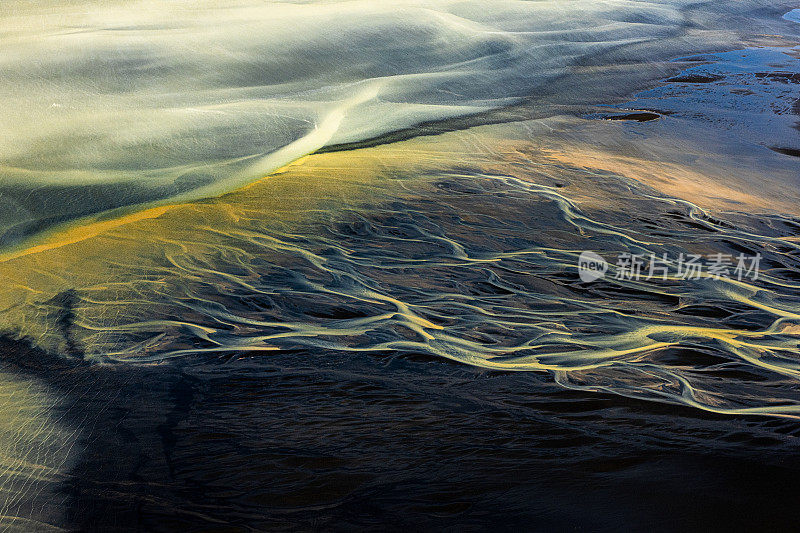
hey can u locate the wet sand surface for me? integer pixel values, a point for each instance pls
(335, 442)
(393, 333)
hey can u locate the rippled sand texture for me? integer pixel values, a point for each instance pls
(109, 105)
(36, 454)
(462, 246)
(246, 243)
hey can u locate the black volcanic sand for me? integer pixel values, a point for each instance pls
(309, 438)
(313, 441)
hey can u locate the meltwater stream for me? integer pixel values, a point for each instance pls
(243, 245)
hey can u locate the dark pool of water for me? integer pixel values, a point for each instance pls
(327, 441)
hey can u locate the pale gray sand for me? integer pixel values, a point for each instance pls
(113, 104)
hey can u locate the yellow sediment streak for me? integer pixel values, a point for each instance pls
(98, 257)
(265, 166)
(86, 228)
(122, 267)
(79, 231)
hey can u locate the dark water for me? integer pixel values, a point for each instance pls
(332, 441)
(298, 380)
(470, 266)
